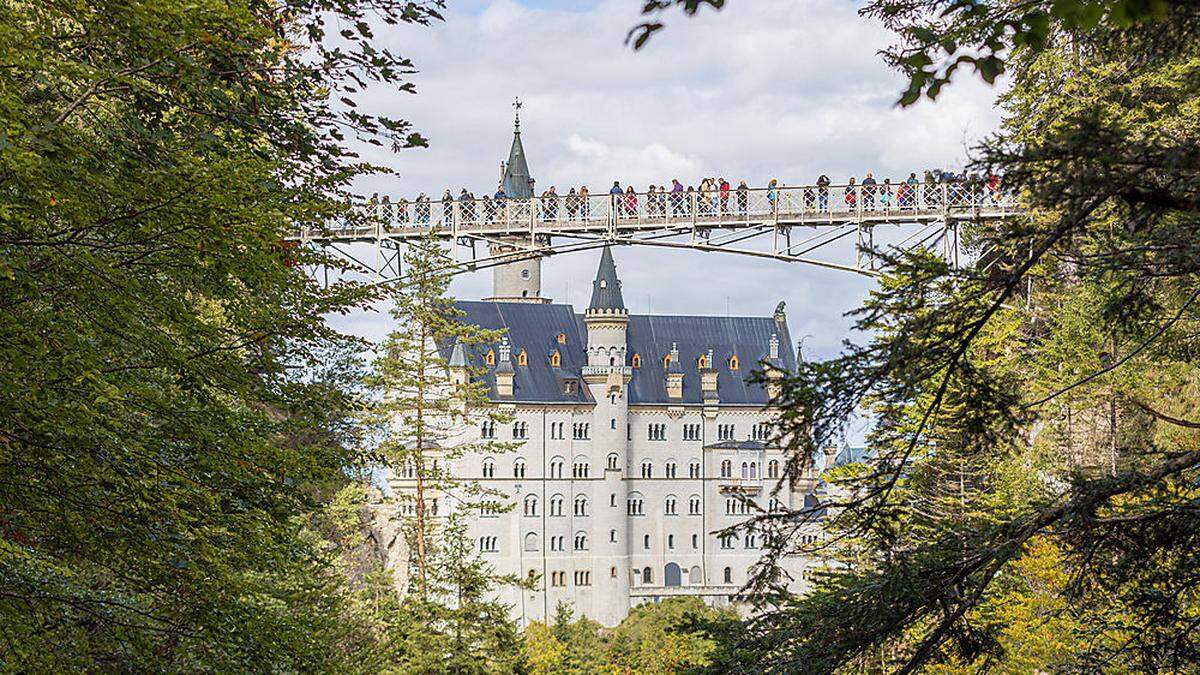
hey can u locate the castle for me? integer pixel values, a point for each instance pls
(637, 434)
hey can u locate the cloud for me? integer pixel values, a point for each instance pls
(785, 89)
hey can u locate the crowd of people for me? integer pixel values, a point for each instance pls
(710, 197)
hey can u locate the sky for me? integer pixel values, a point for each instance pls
(784, 89)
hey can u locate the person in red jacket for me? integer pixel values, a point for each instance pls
(724, 190)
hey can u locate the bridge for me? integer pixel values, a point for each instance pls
(809, 224)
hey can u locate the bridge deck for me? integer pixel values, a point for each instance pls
(811, 205)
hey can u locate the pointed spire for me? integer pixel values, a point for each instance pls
(606, 289)
(458, 357)
(516, 171)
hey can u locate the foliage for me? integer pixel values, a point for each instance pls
(169, 391)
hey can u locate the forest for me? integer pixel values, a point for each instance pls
(187, 444)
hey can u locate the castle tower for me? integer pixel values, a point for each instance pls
(607, 376)
(519, 281)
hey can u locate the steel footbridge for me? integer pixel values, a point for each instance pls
(831, 226)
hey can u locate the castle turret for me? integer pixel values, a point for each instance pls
(607, 377)
(519, 281)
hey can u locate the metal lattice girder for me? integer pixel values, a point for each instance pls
(800, 222)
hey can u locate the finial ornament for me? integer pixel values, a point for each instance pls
(517, 115)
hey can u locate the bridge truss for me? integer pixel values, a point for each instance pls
(834, 226)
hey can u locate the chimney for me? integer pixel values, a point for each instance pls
(504, 371)
(708, 380)
(674, 375)
(774, 368)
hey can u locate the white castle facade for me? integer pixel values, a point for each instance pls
(636, 433)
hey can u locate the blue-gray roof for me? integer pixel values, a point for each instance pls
(535, 329)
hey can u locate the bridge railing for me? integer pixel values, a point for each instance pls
(806, 204)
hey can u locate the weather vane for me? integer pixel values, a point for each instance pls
(517, 116)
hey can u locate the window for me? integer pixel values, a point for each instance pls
(666, 362)
(634, 505)
(612, 572)
(555, 359)
(656, 432)
(760, 432)
(580, 468)
(489, 468)
(531, 505)
(754, 469)
(726, 469)
(490, 358)
(487, 429)
(580, 541)
(556, 543)
(489, 509)
(637, 361)
(774, 505)
(691, 432)
(520, 430)
(612, 499)
(773, 469)
(736, 506)
(725, 432)
(669, 505)
(556, 466)
(612, 537)
(727, 541)
(702, 362)
(531, 541)
(695, 541)
(558, 578)
(745, 470)
(647, 469)
(694, 505)
(751, 540)
(647, 575)
(519, 468)
(562, 338)
(694, 469)
(581, 431)
(556, 504)
(669, 469)
(583, 578)
(733, 362)
(728, 575)
(612, 422)
(646, 542)
(488, 544)
(670, 541)
(611, 463)
(522, 358)
(581, 505)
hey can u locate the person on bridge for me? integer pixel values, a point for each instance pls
(572, 204)
(402, 210)
(466, 205)
(385, 210)
(447, 205)
(631, 201)
(616, 189)
(772, 195)
(500, 196)
(550, 204)
(851, 197)
(724, 188)
(906, 191)
(676, 197)
(868, 191)
(585, 208)
(823, 192)
(743, 197)
(885, 195)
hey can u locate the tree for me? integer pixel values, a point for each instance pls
(169, 391)
(1057, 381)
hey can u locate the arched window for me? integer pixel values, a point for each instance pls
(489, 468)
(647, 469)
(745, 470)
(751, 540)
(555, 359)
(729, 575)
(754, 469)
(531, 542)
(666, 362)
(672, 575)
(556, 466)
(580, 467)
(647, 575)
(612, 499)
(773, 469)
(636, 361)
(695, 541)
(646, 542)
(562, 338)
(702, 362)
(694, 469)
(487, 429)
(669, 505)
(612, 461)
(519, 468)
(522, 358)
(670, 468)
(634, 504)
(726, 469)
(694, 505)
(733, 362)
(520, 430)
(671, 541)
(581, 541)
(556, 505)
(612, 536)
(531, 505)
(581, 505)
(490, 358)
(695, 577)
